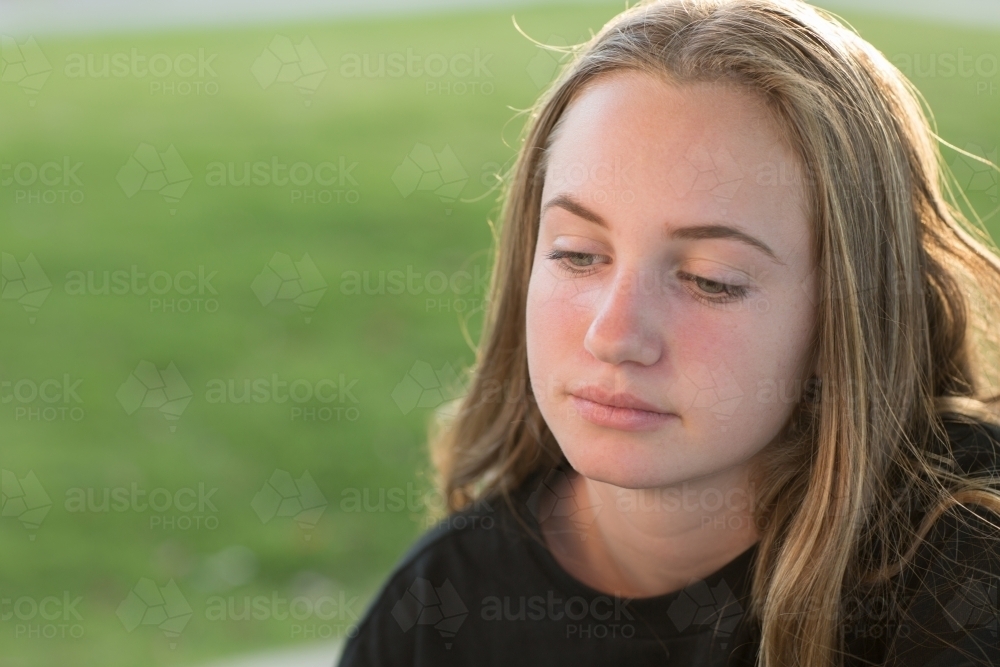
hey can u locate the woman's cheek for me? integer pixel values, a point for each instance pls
(762, 363)
(540, 328)
(559, 307)
(712, 367)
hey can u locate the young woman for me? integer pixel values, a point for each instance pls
(732, 404)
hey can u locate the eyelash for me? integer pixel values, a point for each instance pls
(733, 292)
(559, 255)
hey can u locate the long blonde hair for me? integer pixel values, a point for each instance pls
(907, 284)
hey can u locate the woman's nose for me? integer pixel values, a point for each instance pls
(624, 325)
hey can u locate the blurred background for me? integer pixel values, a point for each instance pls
(245, 252)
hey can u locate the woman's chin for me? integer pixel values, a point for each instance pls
(622, 469)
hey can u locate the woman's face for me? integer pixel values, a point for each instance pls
(673, 264)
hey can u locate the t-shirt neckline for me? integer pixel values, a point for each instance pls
(735, 574)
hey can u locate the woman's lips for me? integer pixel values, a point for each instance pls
(625, 419)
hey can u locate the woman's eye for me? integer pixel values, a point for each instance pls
(710, 286)
(713, 291)
(704, 289)
(574, 262)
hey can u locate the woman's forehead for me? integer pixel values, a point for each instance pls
(634, 146)
(642, 116)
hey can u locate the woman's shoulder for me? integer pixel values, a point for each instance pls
(952, 611)
(951, 615)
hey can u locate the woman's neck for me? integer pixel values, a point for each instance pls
(647, 542)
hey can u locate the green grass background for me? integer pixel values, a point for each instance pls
(374, 339)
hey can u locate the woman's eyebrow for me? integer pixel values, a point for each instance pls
(693, 232)
(719, 231)
(566, 201)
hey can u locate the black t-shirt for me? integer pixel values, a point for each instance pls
(482, 588)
